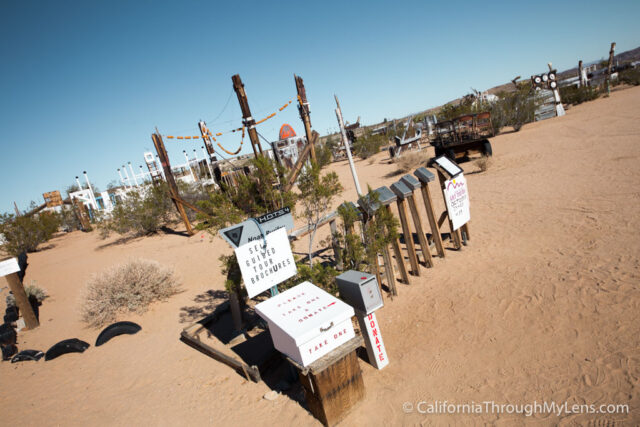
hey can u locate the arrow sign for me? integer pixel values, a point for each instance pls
(248, 231)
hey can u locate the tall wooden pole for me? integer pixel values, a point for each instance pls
(171, 182)
(22, 302)
(303, 108)
(248, 121)
(15, 206)
(609, 65)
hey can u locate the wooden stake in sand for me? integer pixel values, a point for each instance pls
(425, 177)
(9, 269)
(413, 184)
(402, 191)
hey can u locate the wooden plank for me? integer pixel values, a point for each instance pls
(408, 237)
(22, 302)
(251, 373)
(395, 245)
(417, 223)
(303, 231)
(435, 229)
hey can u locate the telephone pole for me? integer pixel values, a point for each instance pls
(305, 111)
(247, 120)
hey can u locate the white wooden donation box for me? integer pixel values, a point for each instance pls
(306, 322)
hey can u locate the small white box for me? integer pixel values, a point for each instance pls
(306, 322)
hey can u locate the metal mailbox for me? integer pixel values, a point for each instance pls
(360, 290)
(401, 190)
(424, 175)
(411, 182)
(306, 322)
(385, 197)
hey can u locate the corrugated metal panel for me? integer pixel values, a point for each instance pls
(546, 105)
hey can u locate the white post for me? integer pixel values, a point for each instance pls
(186, 156)
(94, 202)
(142, 174)
(134, 175)
(122, 178)
(78, 182)
(127, 175)
(345, 141)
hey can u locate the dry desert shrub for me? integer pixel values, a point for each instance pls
(483, 163)
(412, 160)
(127, 287)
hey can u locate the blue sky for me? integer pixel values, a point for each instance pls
(84, 83)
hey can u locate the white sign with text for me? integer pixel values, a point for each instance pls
(375, 346)
(263, 267)
(9, 266)
(457, 200)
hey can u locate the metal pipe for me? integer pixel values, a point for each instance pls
(127, 175)
(186, 156)
(93, 196)
(121, 178)
(134, 175)
(345, 141)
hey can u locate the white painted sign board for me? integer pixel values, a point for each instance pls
(249, 231)
(448, 166)
(306, 322)
(263, 267)
(375, 346)
(457, 200)
(9, 266)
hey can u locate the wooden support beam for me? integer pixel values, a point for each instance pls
(395, 245)
(408, 236)
(248, 120)
(171, 182)
(22, 302)
(303, 109)
(302, 158)
(435, 229)
(417, 223)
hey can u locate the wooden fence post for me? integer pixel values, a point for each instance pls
(425, 177)
(9, 269)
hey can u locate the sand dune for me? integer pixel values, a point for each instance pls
(543, 305)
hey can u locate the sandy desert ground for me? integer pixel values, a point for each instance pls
(543, 305)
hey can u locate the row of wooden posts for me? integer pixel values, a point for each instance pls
(402, 193)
